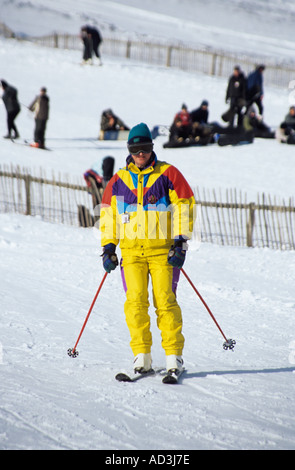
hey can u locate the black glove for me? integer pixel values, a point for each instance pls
(109, 257)
(176, 255)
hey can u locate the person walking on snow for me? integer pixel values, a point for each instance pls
(12, 106)
(148, 208)
(40, 106)
(236, 96)
(254, 94)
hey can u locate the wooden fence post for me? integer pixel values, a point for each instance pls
(250, 223)
(169, 55)
(128, 49)
(213, 65)
(56, 40)
(27, 180)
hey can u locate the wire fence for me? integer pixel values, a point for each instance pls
(225, 218)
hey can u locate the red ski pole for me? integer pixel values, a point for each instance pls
(229, 343)
(72, 351)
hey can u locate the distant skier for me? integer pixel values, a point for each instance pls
(92, 39)
(12, 106)
(40, 106)
(87, 43)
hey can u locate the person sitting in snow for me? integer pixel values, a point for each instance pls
(181, 128)
(286, 131)
(201, 130)
(238, 135)
(260, 128)
(111, 122)
(201, 114)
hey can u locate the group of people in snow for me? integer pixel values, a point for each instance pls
(40, 107)
(244, 95)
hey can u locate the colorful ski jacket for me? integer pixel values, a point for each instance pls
(145, 210)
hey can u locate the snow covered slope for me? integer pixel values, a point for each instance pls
(252, 26)
(227, 400)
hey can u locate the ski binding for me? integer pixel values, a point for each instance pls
(172, 376)
(122, 377)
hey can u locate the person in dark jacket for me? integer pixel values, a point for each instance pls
(92, 39)
(255, 91)
(40, 106)
(236, 96)
(201, 114)
(286, 131)
(260, 128)
(110, 122)
(87, 43)
(12, 106)
(201, 129)
(241, 135)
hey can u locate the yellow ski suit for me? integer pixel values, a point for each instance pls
(144, 211)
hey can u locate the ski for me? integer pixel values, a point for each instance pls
(27, 144)
(122, 377)
(172, 376)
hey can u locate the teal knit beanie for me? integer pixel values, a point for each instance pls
(139, 133)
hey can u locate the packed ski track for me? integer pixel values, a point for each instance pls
(226, 400)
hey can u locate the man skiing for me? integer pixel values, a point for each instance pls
(12, 106)
(40, 106)
(91, 39)
(148, 208)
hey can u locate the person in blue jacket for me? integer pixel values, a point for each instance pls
(255, 92)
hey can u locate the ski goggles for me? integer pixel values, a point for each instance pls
(136, 149)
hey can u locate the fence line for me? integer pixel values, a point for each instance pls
(234, 221)
(52, 199)
(178, 56)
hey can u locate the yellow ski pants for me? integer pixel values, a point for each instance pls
(136, 271)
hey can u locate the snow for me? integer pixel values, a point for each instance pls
(253, 26)
(50, 273)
